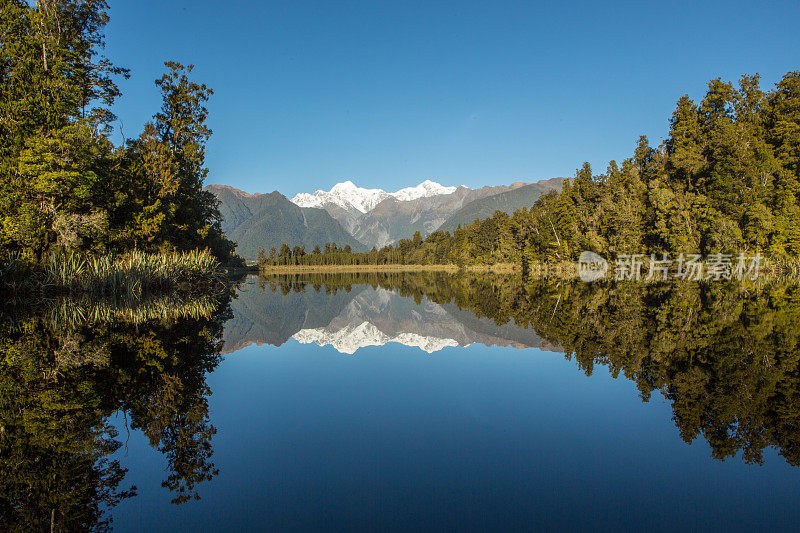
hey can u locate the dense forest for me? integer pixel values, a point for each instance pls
(65, 187)
(725, 180)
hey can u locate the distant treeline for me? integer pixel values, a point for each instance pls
(725, 180)
(332, 254)
(489, 241)
(64, 186)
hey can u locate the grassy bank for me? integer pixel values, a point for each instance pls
(769, 268)
(294, 269)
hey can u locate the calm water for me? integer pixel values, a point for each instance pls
(418, 402)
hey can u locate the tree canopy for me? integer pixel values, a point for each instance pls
(64, 186)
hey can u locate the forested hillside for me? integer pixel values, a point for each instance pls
(64, 186)
(726, 179)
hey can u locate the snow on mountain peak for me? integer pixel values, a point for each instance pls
(346, 194)
(353, 337)
(349, 195)
(423, 190)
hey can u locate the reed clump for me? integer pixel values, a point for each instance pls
(134, 273)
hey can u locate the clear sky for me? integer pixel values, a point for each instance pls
(476, 93)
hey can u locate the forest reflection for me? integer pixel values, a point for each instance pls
(66, 367)
(725, 355)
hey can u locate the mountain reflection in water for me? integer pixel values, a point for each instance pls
(724, 356)
(352, 316)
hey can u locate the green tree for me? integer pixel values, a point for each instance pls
(51, 74)
(262, 257)
(168, 162)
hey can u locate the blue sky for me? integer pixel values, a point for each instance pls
(476, 93)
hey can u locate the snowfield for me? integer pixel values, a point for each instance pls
(348, 195)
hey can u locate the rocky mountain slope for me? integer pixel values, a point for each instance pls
(253, 220)
(507, 201)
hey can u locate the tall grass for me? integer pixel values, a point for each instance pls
(135, 272)
(131, 273)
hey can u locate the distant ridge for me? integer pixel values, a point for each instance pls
(254, 220)
(507, 201)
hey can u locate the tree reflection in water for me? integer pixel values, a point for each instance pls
(66, 368)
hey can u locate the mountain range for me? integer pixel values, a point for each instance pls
(254, 220)
(349, 196)
(362, 218)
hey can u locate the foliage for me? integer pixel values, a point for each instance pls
(722, 181)
(64, 187)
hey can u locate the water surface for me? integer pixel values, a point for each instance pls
(437, 402)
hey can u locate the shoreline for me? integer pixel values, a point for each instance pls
(298, 269)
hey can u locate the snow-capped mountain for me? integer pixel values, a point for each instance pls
(426, 189)
(348, 195)
(354, 336)
(363, 218)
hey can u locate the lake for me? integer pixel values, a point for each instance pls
(407, 402)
